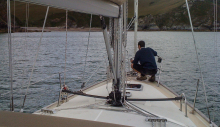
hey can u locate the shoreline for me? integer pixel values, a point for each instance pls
(82, 29)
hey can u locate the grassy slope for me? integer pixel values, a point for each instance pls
(37, 12)
(154, 7)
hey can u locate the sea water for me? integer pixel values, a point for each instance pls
(180, 69)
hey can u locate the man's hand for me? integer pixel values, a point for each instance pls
(131, 60)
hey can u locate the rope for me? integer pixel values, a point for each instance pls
(84, 106)
(156, 99)
(65, 47)
(107, 74)
(93, 73)
(97, 80)
(213, 89)
(5, 93)
(110, 31)
(36, 57)
(124, 74)
(198, 58)
(42, 80)
(84, 94)
(53, 75)
(87, 46)
(131, 22)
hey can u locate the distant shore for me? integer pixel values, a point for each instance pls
(49, 29)
(81, 29)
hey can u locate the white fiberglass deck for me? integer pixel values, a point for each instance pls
(92, 109)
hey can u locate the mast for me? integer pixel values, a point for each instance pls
(135, 24)
(117, 69)
(119, 48)
(108, 48)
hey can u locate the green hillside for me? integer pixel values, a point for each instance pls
(56, 17)
(162, 13)
(3, 16)
(154, 7)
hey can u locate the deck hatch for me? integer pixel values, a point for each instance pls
(136, 87)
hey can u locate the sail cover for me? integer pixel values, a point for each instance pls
(109, 8)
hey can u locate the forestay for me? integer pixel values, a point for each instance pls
(109, 8)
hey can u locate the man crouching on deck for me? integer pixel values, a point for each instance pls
(147, 66)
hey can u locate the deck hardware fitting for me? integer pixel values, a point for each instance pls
(181, 101)
(160, 69)
(135, 87)
(59, 99)
(155, 120)
(192, 112)
(62, 95)
(48, 111)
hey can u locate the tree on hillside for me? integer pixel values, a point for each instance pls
(3, 14)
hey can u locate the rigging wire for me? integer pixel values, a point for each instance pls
(14, 17)
(65, 46)
(214, 16)
(214, 114)
(98, 79)
(216, 46)
(107, 74)
(198, 59)
(46, 78)
(27, 17)
(87, 48)
(10, 53)
(214, 23)
(95, 72)
(29, 82)
(124, 72)
(24, 50)
(213, 89)
(52, 76)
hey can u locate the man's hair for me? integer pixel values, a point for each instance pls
(141, 43)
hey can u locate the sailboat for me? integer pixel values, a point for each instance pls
(130, 102)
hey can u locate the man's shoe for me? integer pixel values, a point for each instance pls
(152, 78)
(142, 78)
